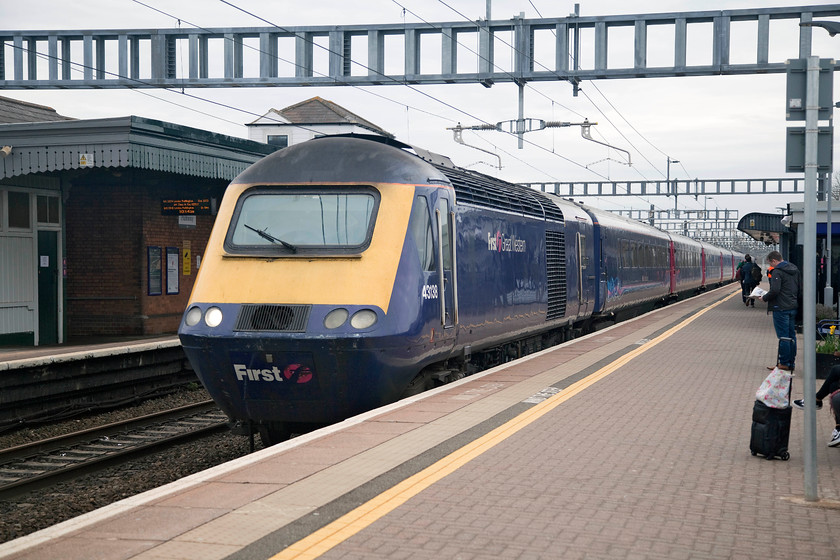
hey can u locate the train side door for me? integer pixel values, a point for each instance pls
(672, 261)
(584, 278)
(447, 274)
(703, 262)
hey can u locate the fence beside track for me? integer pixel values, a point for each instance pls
(34, 390)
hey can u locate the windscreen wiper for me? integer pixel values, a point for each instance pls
(268, 236)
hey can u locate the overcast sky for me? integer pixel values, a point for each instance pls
(718, 127)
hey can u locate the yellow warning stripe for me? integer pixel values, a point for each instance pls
(363, 516)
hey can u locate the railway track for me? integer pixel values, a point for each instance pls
(41, 464)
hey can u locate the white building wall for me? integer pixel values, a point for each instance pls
(19, 261)
(17, 283)
(297, 134)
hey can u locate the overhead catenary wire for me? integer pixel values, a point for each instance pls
(285, 60)
(293, 63)
(398, 82)
(145, 83)
(239, 109)
(514, 49)
(170, 90)
(352, 61)
(614, 109)
(352, 85)
(620, 114)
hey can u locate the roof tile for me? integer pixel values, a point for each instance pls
(15, 111)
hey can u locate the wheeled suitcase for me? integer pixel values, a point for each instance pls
(770, 431)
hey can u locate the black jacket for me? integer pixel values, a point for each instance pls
(746, 273)
(785, 288)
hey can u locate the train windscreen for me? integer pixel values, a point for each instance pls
(303, 220)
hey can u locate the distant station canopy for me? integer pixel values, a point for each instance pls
(767, 228)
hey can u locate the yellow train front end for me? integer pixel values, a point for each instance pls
(289, 323)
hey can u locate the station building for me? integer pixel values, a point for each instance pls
(103, 222)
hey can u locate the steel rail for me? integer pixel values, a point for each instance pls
(40, 464)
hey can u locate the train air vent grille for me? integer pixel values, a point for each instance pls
(276, 318)
(482, 190)
(555, 264)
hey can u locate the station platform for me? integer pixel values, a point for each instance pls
(631, 442)
(46, 383)
(25, 356)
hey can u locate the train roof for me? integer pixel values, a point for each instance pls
(614, 221)
(341, 159)
(363, 158)
(706, 245)
(572, 211)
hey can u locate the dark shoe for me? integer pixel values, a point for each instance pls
(785, 368)
(800, 404)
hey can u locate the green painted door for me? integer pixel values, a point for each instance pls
(47, 287)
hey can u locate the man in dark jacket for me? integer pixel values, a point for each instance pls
(747, 284)
(783, 300)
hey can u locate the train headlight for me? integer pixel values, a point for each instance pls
(336, 318)
(213, 317)
(363, 319)
(193, 316)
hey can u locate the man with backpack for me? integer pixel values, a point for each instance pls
(750, 278)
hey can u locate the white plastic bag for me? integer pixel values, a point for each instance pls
(775, 390)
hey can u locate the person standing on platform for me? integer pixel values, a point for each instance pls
(830, 388)
(835, 407)
(747, 283)
(830, 385)
(783, 301)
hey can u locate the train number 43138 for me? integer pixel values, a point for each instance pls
(430, 291)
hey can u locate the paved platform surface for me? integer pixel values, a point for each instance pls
(632, 442)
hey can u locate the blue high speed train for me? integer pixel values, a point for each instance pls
(347, 272)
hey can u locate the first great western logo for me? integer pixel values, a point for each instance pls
(504, 244)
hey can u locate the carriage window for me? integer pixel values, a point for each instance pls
(421, 231)
(312, 220)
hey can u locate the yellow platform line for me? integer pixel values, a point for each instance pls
(363, 516)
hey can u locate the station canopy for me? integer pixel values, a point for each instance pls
(767, 228)
(43, 147)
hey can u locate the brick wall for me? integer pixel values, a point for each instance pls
(110, 221)
(163, 312)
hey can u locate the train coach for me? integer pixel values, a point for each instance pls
(347, 272)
